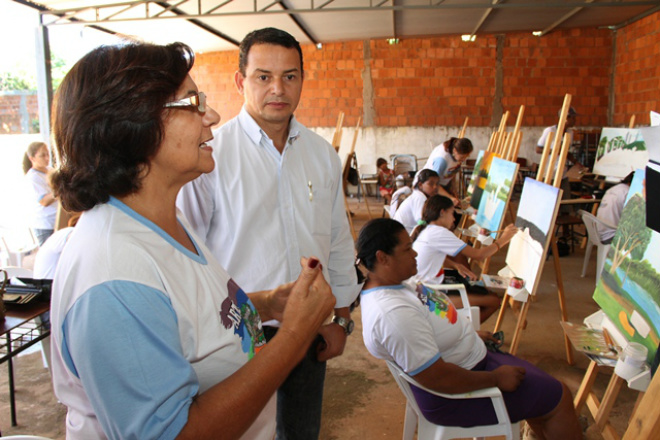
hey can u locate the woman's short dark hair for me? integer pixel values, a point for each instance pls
(460, 145)
(108, 119)
(380, 161)
(431, 211)
(32, 149)
(266, 36)
(377, 235)
(425, 175)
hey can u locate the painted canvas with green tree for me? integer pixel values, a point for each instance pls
(629, 287)
(620, 151)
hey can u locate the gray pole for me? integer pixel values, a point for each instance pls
(44, 81)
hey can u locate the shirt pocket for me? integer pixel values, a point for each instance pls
(321, 210)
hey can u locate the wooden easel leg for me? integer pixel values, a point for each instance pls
(350, 219)
(366, 201)
(522, 317)
(562, 301)
(611, 393)
(586, 386)
(500, 315)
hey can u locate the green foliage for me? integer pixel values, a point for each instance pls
(633, 224)
(645, 276)
(16, 81)
(21, 80)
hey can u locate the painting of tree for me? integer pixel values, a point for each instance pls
(629, 288)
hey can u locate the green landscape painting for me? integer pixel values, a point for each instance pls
(629, 287)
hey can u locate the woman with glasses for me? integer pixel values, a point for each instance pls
(151, 337)
(36, 166)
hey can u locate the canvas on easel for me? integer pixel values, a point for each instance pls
(620, 151)
(496, 195)
(629, 287)
(536, 217)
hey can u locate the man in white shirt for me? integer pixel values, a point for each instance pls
(274, 196)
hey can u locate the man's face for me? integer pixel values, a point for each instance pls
(570, 120)
(272, 83)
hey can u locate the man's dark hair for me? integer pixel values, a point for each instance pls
(108, 119)
(267, 36)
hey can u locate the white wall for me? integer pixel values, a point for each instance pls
(375, 142)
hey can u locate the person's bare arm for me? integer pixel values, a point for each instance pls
(488, 251)
(229, 408)
(451, 379)
(47, 200)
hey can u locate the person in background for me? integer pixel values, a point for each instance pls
(421, 332)
(45, 262)
(446, 160)
(569, 126)
(611, 207)
(434, 241)
(260, 235)
(36, 166)
(410, 210)
(385, 180)
(151, 337)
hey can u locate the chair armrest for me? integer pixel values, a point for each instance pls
(446, 287)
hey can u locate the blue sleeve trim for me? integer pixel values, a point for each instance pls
(459, 250)
(440, 166)
(121, 339)
(427, 364)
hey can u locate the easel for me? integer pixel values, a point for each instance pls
(352, 157)
(461, 134)
(545, 175)
(336, 137)
(600, 410)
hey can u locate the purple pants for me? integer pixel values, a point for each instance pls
(538, 394)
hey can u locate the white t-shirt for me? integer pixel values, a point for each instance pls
(433, 245)
(49, 253)
(410, 211)
(141, 325)
(414, 327)
(43, 217)
(610, 209)
(442, 162)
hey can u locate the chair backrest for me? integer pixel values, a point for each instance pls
(403, 163)
(503, 427)
(14, 271)
(591, 222)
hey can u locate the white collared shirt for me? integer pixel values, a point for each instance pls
(260, 211)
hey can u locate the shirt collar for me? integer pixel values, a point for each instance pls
(255, 133)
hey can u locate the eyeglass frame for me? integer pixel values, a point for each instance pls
(200, 97)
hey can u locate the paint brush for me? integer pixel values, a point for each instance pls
(609, 341)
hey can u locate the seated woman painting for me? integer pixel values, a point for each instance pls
(434, 241)
(442, 351)
(410, 211)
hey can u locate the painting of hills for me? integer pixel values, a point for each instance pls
(535, 219)
(620, 151)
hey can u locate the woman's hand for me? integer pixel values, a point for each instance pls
(309, 303)
(509, 377)
(487, 336)
(465, 272)
(508, 234)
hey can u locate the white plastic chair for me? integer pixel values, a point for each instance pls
(430, 431)
(12, 272)
(471, 313)
(17, 244)
(25, 437)
(591, 223)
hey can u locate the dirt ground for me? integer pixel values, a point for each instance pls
(362, 401)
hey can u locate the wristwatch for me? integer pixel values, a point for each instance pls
(346, 324)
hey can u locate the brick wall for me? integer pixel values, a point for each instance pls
(539, 71)
(439, 81)
(15, 115)
(637, 72)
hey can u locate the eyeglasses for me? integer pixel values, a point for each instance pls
(197, 100)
